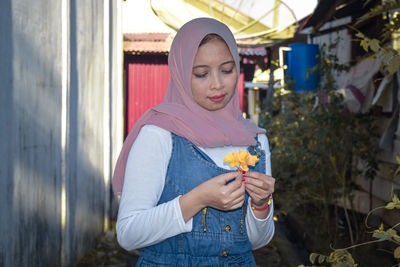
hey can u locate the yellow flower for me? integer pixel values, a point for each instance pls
(243, 159)
(232, 159)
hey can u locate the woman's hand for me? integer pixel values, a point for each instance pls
(215, 193)
(259, 186)
(220, 195)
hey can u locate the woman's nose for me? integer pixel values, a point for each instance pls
(216, 81)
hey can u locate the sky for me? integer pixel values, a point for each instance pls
(138, 16)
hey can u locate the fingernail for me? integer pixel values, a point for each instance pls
(243, 179)
(243, 172)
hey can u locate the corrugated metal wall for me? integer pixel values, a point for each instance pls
(56, 88)
(241, 90)
(147, 82)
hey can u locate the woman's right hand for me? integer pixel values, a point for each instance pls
(215, 193)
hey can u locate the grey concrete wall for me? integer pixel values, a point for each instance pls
(58, 81)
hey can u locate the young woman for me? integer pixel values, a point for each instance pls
(180, 203)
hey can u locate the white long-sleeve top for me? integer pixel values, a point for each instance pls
(141, 222)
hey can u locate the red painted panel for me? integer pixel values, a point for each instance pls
(147, 82)
(241, 90)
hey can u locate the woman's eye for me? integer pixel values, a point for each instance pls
(227, 71)
(200, 75)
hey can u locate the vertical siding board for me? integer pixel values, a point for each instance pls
(34, 238)
(85, 187)
(6, 134)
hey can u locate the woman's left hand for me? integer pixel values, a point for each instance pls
(259, 186)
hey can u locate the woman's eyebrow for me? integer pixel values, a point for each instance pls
(200, 66)
(228, 62)
(206, 66)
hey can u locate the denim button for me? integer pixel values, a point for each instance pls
(227, 228)
(224, 253)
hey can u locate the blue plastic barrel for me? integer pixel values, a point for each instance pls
(299, 60)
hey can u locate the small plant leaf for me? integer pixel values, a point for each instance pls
(396, 252)
(313, 257)
(397, 171)
(321, 259)
(333, 161)
(360, 35)
(395, 204)
(364, 44)
(374, 45)
(393, 63)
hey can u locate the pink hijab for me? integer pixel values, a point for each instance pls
(180, 114)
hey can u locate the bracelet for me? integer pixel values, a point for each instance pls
(263, 208)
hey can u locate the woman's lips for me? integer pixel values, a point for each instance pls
(217, 98)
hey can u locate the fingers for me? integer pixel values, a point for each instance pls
(238, 191)
(229, 196)
(232, 195)
(256, 191)
(228, 188)
(259, 186)
(260, 180)
(237, 204)
(258, 176)
(234, 185)
(226, 177)
(257, 196)
(227, 191)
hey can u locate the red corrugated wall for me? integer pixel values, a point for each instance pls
(147, 78)
(147, 81)
(241, 89)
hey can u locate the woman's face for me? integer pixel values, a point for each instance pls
(214, 75)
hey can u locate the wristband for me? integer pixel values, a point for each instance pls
(263, 208)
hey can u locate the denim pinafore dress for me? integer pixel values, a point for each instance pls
(218, 238)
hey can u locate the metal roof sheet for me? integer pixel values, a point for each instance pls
(160, 43)
(142, 43)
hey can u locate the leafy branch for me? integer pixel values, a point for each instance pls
(341, 257)
(385, 7)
